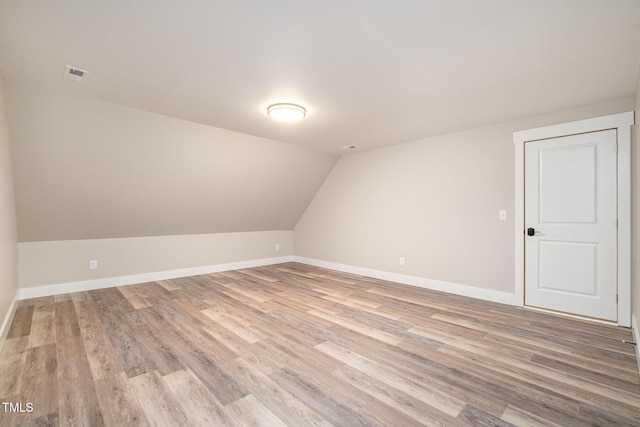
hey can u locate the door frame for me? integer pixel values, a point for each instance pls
(622, 123)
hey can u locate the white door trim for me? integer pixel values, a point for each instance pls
(622, 123)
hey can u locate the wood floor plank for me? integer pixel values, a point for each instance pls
(378, 411)
(482, 377)
(293, 344)
(566, 345)
(236, 325)
(169, 285)
(302, 327)
(159, 404)
(104, 361)
(201, 406)
(572, 386)
(77, 399)
(598, 416)
(12, 365)
(120, 324)
(186, 297)
(42, 329)
(228, 338)
(225, 388)
(243, 298)
(135, 299)
(255, 273)
(118, 403)
(409, 405)
(476, 417)
(554, 400)
(279, 401)
(320, 402)
(259, 297)
(214, 348)
(414, 362)
(249, 411)
(152, 336)
(43, 421)
(422, 392)
(497, 339)
(298, 357)
(78, 405)
(358, 327)
(519, 417)
(39, 380)
(586, 373)
(21, 325)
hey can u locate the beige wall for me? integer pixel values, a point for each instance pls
(434, 202)
(8, 231)
(56, 262)
(635, 214)
(87, 170)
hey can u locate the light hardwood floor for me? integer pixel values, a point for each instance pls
(296, 345)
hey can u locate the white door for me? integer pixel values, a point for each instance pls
(570, 208)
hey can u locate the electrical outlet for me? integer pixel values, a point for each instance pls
(277, 246)
(93, 264)
(502, 215)
(401, 260)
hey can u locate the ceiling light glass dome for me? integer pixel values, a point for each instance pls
(286, 112)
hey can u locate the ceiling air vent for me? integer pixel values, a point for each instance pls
(75, 74)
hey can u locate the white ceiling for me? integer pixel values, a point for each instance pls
(370, 72)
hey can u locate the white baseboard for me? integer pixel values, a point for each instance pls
(88, 285)
(636, 337)
(436, 285)
(8, 318)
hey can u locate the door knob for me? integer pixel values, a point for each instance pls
(531, 231)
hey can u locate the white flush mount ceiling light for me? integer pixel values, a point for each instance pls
(286, 112)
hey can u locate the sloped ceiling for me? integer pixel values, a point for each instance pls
(85, 169)
(371, 72)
